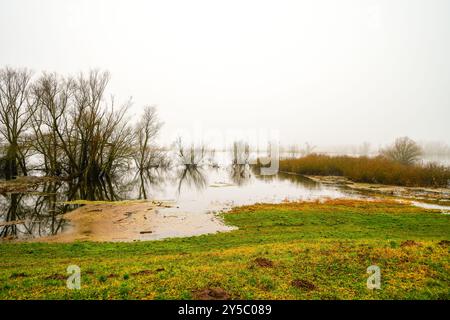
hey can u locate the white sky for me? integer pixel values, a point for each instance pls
(327, 72)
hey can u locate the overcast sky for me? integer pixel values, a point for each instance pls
(327, 72)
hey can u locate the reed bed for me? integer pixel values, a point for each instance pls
(370, 170)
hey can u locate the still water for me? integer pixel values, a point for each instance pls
(196, 192)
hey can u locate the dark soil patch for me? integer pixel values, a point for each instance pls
(56, 276)
(263, 262)
(303, 284)
(211, 294)
(160, 269)
(444, 243)
(410, 243)
(142, 272)
(18, 275)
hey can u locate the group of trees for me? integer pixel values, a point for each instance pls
(77, 133)
(70, 125)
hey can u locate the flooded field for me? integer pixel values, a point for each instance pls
(174, 202)
(191, 198)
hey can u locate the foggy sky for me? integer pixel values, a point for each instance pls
(326, 72)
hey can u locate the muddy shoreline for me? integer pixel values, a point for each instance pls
(439, 196)
(141, 220)
(127, 221)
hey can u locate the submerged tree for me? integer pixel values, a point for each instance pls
(190, 156)
(74, 131)
(79, 134)
(16, 109)
(50, 121)
(147, 155)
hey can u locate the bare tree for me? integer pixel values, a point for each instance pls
(80, 134)
(190, 156)
(50, 121)
(77, 133)
(147, 129)
(147, 155)
(98, 137)
(16, 109)
(404, 150)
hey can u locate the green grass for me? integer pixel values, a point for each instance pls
(329, 245)
(370, 170)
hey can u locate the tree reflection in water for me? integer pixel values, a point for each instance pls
(41, 212)
(240, 174)
(191, 176)
(149, 181)
(27, 215)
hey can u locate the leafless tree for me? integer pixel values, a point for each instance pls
(80, 134)
(77, 132)
(50, 121)
(98, 136)
(147, 155)
(16, 109)
(190, 156)
(147, 129)
(404, 150)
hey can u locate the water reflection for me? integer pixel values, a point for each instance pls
(28, 215)
(295, 179)
(196, 189)
(149, 180)
(98, 188)
(191, 176)
(240, 174)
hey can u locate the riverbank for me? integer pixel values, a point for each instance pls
(306, 250)
(439, 196)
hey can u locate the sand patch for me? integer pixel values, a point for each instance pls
(125, 221)
(108, 221)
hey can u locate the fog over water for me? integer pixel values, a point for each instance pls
(325, 72)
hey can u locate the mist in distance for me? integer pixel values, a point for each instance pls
(330, 73)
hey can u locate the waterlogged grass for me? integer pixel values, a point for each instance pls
(286, 251)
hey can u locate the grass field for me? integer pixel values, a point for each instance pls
(285, 251)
